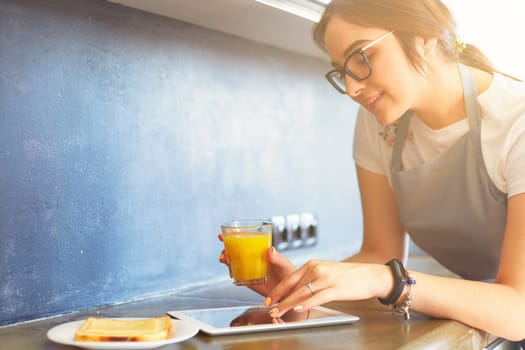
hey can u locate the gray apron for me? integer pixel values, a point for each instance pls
(449, 206)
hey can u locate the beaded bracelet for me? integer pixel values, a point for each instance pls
(404, 307)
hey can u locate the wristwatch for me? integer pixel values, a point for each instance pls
(401, 279)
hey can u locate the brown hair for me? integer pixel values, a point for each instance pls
(408, 19)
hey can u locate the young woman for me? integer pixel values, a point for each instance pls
(440, 156)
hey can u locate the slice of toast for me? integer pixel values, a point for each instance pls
(109, 329)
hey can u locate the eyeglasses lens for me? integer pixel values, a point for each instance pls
(337, 78)
(357, 66)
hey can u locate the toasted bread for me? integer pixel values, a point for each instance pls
(108, 329)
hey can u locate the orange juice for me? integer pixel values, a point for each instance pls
(247, 254)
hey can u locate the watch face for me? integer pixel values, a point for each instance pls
(399, 269)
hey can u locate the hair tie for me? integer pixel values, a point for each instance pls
(459, 45)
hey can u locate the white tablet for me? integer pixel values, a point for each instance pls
(247, 319)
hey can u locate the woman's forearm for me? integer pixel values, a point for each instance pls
(470, 302)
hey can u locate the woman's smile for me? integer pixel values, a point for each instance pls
(373, 102)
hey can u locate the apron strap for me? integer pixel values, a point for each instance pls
(399, 142)
(470, 95)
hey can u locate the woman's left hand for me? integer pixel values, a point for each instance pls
(318, 282)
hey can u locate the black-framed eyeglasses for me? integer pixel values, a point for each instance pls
(356, 65)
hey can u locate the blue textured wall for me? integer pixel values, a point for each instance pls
(126, 138)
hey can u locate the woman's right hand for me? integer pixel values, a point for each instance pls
(280, 267)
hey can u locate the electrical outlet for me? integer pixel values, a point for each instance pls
(294, 231)
(280, 239)
(309, 228)
(293, 222)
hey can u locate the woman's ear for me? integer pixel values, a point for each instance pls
(426, 46)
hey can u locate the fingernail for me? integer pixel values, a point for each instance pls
(273, 312)
(267, 301)
(274, 251)
(297, 308)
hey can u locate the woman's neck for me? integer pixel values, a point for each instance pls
(442, 102)
(442, 95)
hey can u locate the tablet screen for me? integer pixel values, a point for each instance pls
(256, 318)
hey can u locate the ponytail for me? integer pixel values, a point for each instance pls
(471, 56)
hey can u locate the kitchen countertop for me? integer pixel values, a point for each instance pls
(377, 328)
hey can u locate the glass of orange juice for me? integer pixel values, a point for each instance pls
(246, 243)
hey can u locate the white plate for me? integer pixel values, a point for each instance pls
(64, 334)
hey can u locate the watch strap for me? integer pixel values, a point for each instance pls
(400, 280)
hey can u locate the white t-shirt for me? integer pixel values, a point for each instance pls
(502, 137)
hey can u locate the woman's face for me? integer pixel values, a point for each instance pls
(394, 85)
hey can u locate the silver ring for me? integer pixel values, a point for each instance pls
(310, 288)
